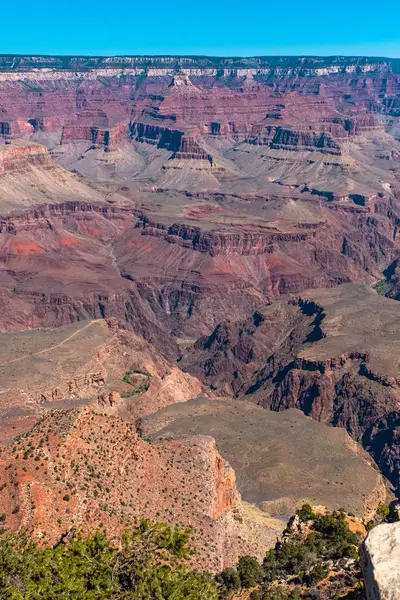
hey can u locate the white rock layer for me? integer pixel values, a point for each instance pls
(380, 560)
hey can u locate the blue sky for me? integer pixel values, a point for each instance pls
(219, 27)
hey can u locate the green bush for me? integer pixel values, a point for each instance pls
(370, 525)
(250, 571)
(340, 541)
(306, 513)
(230, 579)
(301, 556)
(383, 510)
(287, 559)
(317, 573)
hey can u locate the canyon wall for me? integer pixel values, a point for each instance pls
(327, 353)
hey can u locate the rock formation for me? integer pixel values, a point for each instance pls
(331, 353)
(277, 456)
(380, 559)
(271, 175)
(80, 364)
(80, 469)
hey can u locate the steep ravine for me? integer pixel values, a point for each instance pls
(330, 353)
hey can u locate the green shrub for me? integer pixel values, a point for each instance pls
(316, 574)
(230, 579)
(298, 558)
(250, 571)
(370, 525)
(306, 513)
(383, 510)
(340, 541)
(288, 558)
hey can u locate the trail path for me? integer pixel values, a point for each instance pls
(48, 349)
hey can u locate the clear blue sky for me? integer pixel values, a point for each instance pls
(219, 27)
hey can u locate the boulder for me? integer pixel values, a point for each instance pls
(380, 560)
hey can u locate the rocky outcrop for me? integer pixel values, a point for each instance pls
(29, 177)
(41, 216)
(268, 451)
(380, 560)
(76, 469)
(289, 139)
(190, 148)
(98, 137)
(382, 440)
(85, 360)
(218, 243)
(163, 137)
(85, 363)
(19, 156)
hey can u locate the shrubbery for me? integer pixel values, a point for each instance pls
(306, 513)
(230, 579)
(250, 571)
(300, 558)
(148, 566)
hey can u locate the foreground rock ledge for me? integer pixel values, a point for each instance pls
(380, 559)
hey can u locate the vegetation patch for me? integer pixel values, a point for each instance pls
(149, 565)
(382, 287)
(139, 380)
(316, 559)
(316, 550)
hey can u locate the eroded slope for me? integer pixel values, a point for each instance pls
(280, 459)
(83, 363)
(332, 353)
(78, 470)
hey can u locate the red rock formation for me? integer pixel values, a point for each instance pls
(97, 135)
(224, 100)
(77, 469)
(153, 290)
(14, 158)
(287, 139)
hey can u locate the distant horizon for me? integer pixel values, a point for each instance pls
(194, 55)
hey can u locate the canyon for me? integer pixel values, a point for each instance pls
(198, 259)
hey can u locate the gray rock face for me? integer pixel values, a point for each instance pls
(380, 560)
